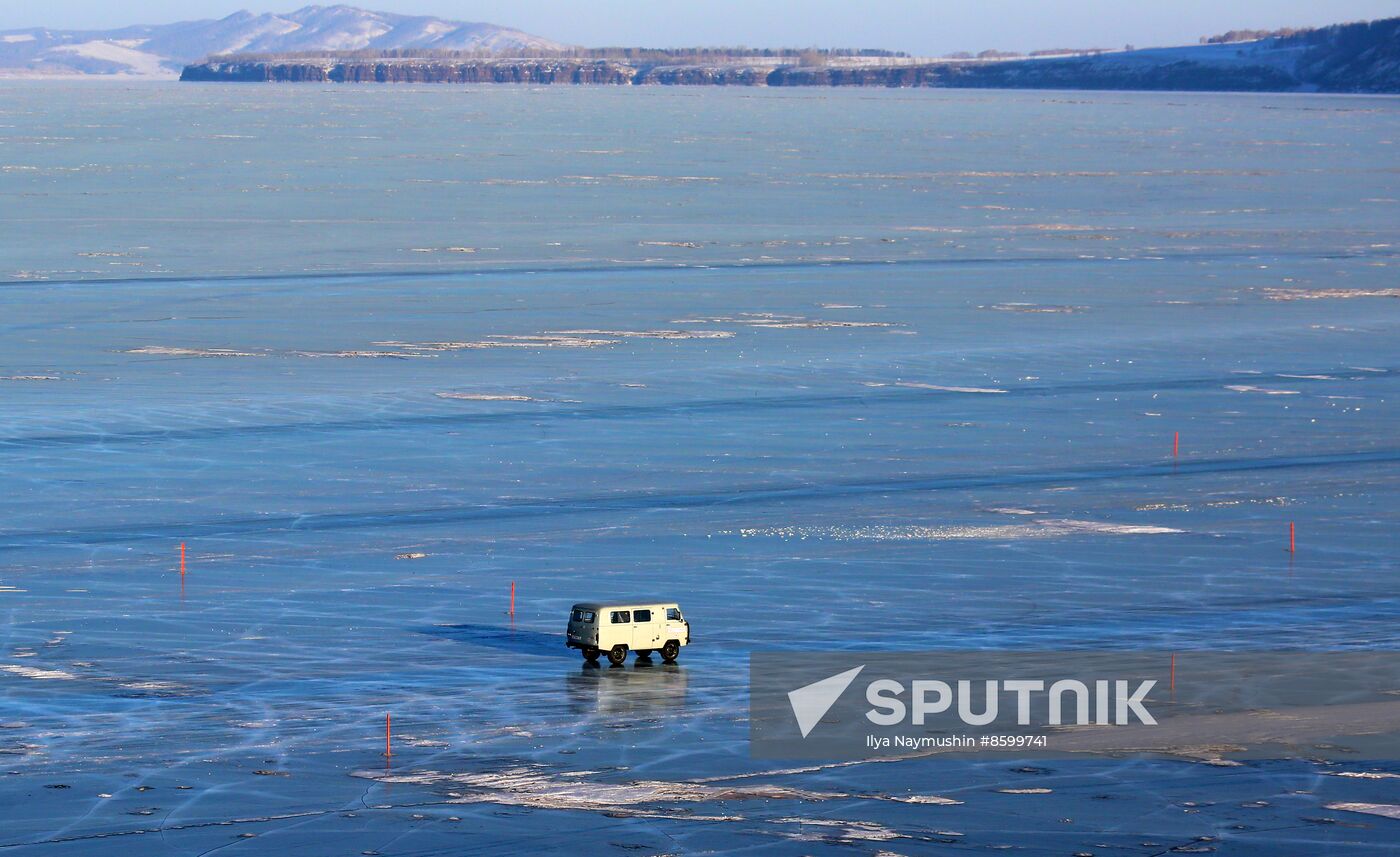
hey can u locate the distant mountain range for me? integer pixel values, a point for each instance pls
(163, 50)
(348, 44)
(1358, 57)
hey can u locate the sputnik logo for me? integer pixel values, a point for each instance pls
(811, 702)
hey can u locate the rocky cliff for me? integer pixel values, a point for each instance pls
(413, 71)
(1048, 74)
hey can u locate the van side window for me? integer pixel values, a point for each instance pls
(584, 616)
(673, 614)
(642, 616)
(620, 617)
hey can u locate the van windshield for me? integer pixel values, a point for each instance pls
(673, 614)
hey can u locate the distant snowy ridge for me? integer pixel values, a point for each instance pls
(161, 51)
(1357, 57)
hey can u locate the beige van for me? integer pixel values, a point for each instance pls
(619, 627)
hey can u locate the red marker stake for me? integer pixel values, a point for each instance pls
(182, 559)
(1173, 680)
(1176, 444)
(388, 747)
(1292, 538)
(512, 598)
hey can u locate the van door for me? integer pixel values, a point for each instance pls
(618, 630)
(583, 627)
(646, 629)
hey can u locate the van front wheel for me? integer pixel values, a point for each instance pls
(670, 651)
(617, 655)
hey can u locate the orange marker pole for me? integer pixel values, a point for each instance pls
(512, 598)
(182, 559)
(1176, 444)
(388, 747)
(1292, 538)
(1173, 680)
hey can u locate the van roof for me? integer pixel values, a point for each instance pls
(619, 604)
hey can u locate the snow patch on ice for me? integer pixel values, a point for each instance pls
(921, 386)
(36, 673)
(649, 334)
(1328, 294)
(169, 351)
(1268, 391)
(1384, 810)
(488, 397)
(1041, 529)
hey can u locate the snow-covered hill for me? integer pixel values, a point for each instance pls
(162, 50)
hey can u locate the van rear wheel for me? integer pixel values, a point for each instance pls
(617, 655)
(590, 654)
(670, 651)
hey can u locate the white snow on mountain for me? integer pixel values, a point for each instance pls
(160, 51)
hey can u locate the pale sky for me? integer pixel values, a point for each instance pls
(916, 26)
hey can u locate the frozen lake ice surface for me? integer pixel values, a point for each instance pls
(834, 369)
